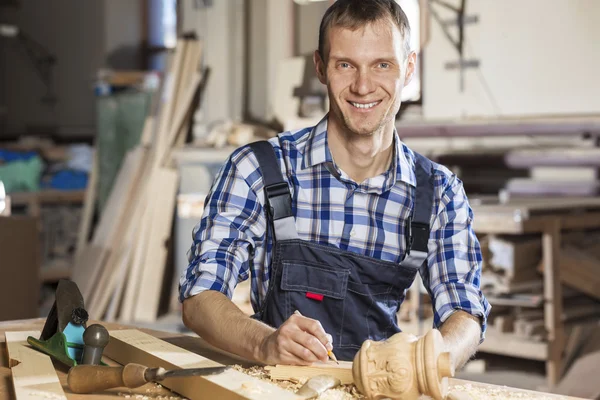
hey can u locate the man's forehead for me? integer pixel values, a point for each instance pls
(382, 27)
(380, 37)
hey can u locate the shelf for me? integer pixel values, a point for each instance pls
(55, 270)
(47, 197)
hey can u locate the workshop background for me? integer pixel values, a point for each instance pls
(116, 114)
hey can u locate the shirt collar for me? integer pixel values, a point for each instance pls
(317, 152)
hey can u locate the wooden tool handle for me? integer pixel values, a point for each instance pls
(96, 378)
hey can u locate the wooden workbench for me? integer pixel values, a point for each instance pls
(196, 345)
(548, 217)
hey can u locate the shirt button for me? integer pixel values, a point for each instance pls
(353, 233)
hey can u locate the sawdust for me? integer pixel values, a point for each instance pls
(151, 395)
(495, 393)
(344, 392)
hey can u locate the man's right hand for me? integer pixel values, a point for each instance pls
(298, 341)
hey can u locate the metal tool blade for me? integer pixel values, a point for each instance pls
(160, 374)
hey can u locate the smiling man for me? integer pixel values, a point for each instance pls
(335, 221)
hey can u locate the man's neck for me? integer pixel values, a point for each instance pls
(361, 157)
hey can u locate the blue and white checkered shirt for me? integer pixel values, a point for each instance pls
(330, 208)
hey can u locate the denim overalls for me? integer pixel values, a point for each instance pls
(355, 297)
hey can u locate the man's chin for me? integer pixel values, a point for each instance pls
(363, 129)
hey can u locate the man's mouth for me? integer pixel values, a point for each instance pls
(364, 106)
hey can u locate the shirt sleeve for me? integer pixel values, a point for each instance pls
(452, 273)
(230, 229)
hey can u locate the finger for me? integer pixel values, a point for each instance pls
(300, 354)
(313, 327)
(288, 358)
(329, 344)
(316, 351)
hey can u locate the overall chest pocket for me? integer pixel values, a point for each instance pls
(318, 291)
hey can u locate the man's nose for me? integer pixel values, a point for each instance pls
(363, 83)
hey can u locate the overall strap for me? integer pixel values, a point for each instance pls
(278, 201)
(418, 223)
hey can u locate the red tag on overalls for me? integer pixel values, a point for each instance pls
(314, 296)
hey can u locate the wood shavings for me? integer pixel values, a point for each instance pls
(250, 389)
(344, 392)
(151, 396)
(500, 392)
(47, 395)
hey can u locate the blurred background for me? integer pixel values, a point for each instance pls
(115, 116)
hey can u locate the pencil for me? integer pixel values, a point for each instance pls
(329, 352)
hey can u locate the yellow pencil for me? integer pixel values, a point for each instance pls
(329, 352)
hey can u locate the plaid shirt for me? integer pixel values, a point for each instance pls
(330, 208)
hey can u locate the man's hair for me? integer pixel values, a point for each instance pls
(353, 14)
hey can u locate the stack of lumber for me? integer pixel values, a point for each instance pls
(121, 270)
(555, 172)
(512, 282)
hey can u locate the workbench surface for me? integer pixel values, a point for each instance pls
(195, 344)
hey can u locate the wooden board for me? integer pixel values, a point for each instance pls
(20, 267)
(343, 371)
(135, 346)
(524, 207)
(88, 209)
(166, 183)
(196, 345)
(579, 271)
(33, 374)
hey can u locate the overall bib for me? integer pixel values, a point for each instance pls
(355, 297)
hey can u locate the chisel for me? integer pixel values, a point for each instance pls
(95, 378)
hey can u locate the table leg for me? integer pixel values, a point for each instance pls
(551, 238)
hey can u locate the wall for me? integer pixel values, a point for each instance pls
(271, 41)
(81, 34)
(124, 33)
(71, 30)
(308, 17)
(537, 57)
(221, 28)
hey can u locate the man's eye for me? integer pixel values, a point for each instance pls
(384, 65)
(344, 65)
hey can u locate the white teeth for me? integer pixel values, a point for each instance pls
(360, 105)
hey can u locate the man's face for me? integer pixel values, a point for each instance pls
(365, 71)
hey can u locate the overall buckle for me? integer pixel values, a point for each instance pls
(279, 200)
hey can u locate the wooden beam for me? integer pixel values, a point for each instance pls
(553, 300)
(343, 371)
(33, 374)
(131, 345)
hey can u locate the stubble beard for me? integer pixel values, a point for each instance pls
(378, 127)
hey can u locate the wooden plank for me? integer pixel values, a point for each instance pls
(89, 204)
(86, 274)
(343, 371)
(48, 196)
(20, 267)
(127, 346)
(137, 265)
(487, 391)
(517, 256)
(95, 296)
(508, 344)
(147, 302)
(117, 267)
(33, 374)
(180, 115)
(549, 157)
(579, 271)
(553, 307)
(582, 379)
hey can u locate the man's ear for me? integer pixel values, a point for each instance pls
(410, 67)
(320, 67)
